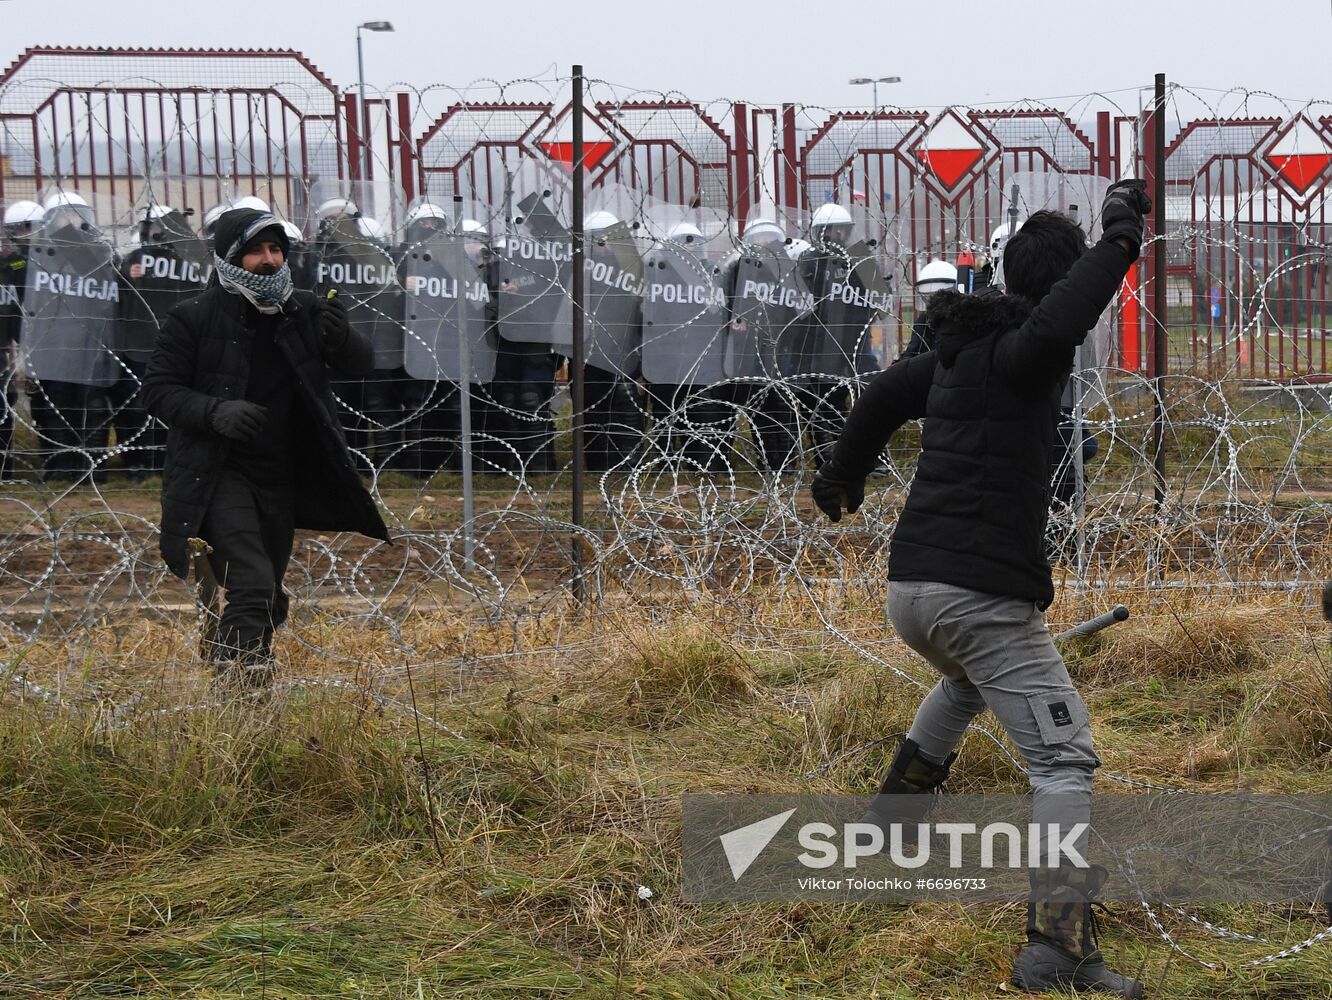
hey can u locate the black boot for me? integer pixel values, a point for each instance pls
(245, 667)
(905, 796)
(1062, 950)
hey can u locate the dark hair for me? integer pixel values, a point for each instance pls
(1040, 254)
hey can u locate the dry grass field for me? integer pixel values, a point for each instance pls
(331, 843)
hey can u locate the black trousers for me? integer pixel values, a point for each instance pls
(143, 437)
(692, 423)
(375, 413)
(770, 412)
(73, 427)
(250, 529)
(612, 417)
(8, 408)
(821, 405)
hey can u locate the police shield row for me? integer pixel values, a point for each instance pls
(78, 322)
(686, 347)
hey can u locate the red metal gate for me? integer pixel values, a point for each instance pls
(194, 126)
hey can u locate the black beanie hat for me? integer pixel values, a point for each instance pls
(237, 229)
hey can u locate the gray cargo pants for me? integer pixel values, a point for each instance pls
(996, 653)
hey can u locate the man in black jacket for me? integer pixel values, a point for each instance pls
(969, 581)
(254, 450)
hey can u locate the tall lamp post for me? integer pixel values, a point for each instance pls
(874, 82)
(365, 112)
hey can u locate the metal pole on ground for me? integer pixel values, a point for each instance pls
(465, 388)
(1160, 344)
(576, 386)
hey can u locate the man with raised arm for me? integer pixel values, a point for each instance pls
(969, 580)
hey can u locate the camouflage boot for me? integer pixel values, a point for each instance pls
(1062, 950)
(905, 796)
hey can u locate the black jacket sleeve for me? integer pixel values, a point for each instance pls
(168, 392)
(1040, 352)
(891, 398)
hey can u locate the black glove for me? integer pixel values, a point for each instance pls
(1124, 212)
(832, 490)
(1327, 600)
(238, 419)
(333, 325)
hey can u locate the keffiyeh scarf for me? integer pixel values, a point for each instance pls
(266, 292)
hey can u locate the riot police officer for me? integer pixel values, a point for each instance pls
(764, 299)
(934, 277)
(169, 266)
(21, 221)
(530, 288)
(447, 301)
(353, 259)
(71, 304)
(614, 412)
(683, 350)
(849, 295)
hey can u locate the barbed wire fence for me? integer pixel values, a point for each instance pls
(746, 268)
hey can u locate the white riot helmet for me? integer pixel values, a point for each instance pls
(211, 216)
(63, 199)
(372, 229)
(425, 210)
(764, 231)
(999, 237)
(250, 201)
(831, 223)
(471, 227)
(62, 208)
(22, 217)
(935, 277)
(598, 221)
(335, 207)
(685, 232)
(596, 224)
(295, 237)
(796, 247)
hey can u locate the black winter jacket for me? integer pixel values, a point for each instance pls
(975, 516)
(202, 357)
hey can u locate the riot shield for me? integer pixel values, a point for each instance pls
(535, 276)
(767, 301)
(71, 302)
(850, 297)
(613, 283)
(683, 341)
(365, 274)
(170, 267)
(445, 298)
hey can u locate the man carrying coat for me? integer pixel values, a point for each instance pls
(240, 377)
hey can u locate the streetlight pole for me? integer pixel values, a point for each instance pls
(874, 82)
(365, 112)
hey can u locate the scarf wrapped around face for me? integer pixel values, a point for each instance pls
(266, 292)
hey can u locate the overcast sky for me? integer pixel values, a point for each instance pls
(764, 51)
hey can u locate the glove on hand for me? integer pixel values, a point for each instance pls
(238, 419)
(833, 490)
(1124, 212)
(333, 325)
(1327, 600)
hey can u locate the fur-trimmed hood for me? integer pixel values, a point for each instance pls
(958, 319)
